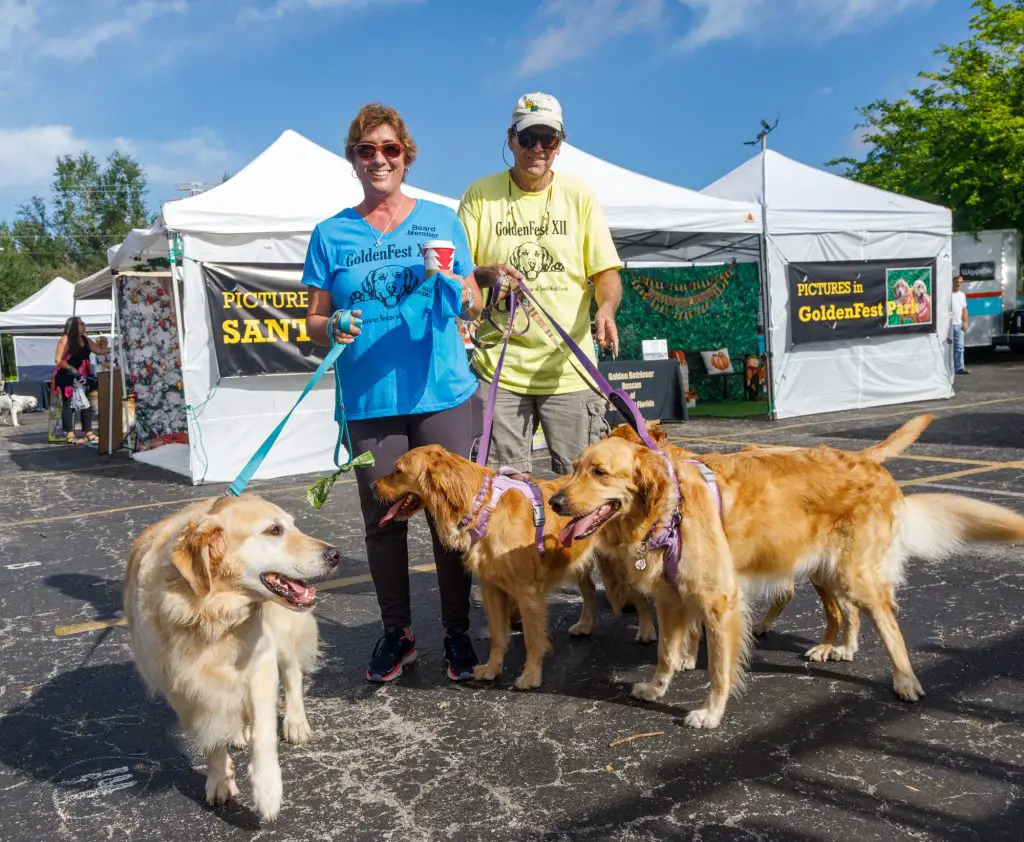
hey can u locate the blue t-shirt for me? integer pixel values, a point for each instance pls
(409, 357)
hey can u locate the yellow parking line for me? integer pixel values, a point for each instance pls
(332, 584)
(877, 416)
(95, 625)
(965, 473)
(155, 505)
(948, 459)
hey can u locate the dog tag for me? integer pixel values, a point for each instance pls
(640, 564)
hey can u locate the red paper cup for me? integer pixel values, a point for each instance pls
(439, 256)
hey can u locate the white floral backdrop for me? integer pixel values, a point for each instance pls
(150, 339)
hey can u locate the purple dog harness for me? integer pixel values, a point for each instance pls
(507, 479)
(669, 538)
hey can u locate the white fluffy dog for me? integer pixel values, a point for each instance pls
(220, 613)
(12, 406)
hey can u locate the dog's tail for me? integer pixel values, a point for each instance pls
(898, 441)
(934, 526)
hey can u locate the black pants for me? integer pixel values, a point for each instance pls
(67, 417)
(387, 548)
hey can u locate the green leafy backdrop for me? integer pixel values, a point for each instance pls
(667, 304)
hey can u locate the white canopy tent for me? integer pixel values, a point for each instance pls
(815, 216)
(654, 221)
(49, 308)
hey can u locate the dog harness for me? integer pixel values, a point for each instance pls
(507, 479)
(669, 538)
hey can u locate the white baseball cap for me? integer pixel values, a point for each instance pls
(537, 110)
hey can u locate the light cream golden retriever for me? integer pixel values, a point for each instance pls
(218, 607)
(836, 516)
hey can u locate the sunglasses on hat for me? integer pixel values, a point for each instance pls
(368, 151)
(528, 139)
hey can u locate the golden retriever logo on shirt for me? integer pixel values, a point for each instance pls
(389, 285)
(532, 258)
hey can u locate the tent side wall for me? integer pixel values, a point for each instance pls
(881, 371)
(234, 417)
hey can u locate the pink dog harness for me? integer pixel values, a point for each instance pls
(507, 479)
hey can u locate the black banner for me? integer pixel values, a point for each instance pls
(654, 385)
(983, 270)
(258, 315)
(857, 299)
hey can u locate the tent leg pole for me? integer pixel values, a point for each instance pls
(110, 378)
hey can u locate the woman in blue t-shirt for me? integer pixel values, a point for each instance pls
(406, 378)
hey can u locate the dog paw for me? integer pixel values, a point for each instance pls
(760, 630)
(583, 627)
(648, 691)
(221, 791)
(703, 718)
(907, 687)
(822, 652)
(688, 663)
(486, 672)
(296, 730)
(267, 791)
(842, 653)
(529, 680)
(242, 738)
(646, 634)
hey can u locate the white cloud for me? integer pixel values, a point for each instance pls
(27, 155)
(719, 20)
(126, 21)
(283, 7)
(581, 26)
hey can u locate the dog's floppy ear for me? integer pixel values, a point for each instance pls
(444, 480)
(650, 475)
(198, 552)
(625, 431)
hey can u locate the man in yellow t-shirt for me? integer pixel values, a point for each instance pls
(547, 229)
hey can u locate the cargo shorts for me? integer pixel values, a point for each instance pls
(570, 421)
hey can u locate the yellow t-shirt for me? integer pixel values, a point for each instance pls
(557, 238)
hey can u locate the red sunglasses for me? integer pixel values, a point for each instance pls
(368, 151)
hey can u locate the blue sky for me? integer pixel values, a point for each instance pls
(669, 88)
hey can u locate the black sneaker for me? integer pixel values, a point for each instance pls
(395, 649)
(459, 657)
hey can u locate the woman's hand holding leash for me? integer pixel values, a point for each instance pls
(346, 331)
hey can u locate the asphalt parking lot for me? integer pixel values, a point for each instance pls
(808, 752)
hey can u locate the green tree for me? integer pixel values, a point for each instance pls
(94, 207)
(958, 141)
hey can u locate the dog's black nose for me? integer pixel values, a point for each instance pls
(559, 503)
(332, 556)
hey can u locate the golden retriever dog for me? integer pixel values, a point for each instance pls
(218, 608)
(842, 620)
(837, 516)
(505, 560)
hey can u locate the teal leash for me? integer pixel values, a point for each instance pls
(317, 494)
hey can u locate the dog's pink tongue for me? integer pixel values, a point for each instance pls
(391, 513)
(575, 528)
(303, 593)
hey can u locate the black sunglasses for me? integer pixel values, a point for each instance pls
(528, 139)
